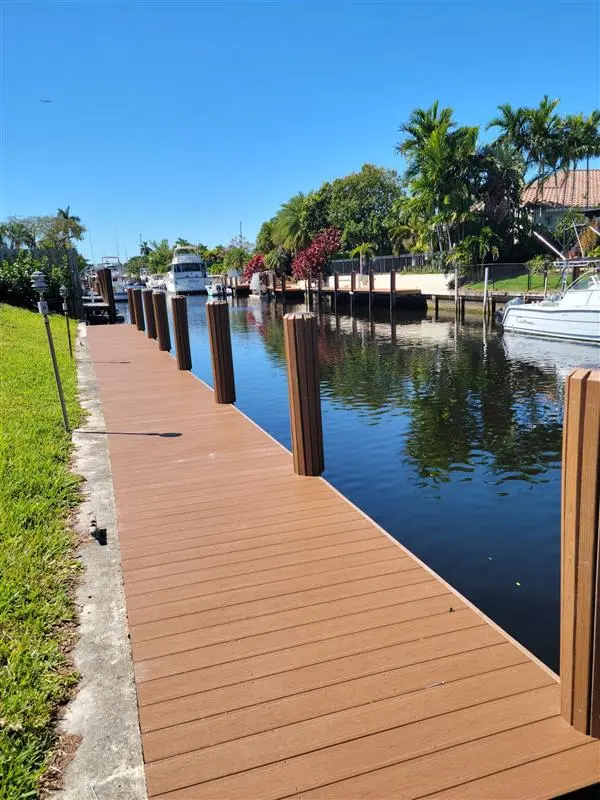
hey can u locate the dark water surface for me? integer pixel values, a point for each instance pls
(448, 436)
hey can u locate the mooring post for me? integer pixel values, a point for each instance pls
(217, 315)
(159, 302)
(181, 331)
(149, 313)
(463, 306)
(336, 290)
(436, 302)
(352, 290)
(283, 289)
(580, 554)
(300, 341)
(319, 287)
(485, 292)
(392, 289)
(131, 305)
(139, 309)
(456, 291)
(106, 289)
(371, 288)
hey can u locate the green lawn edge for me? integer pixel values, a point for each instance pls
(38, 569)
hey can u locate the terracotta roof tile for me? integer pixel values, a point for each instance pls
(578, 188)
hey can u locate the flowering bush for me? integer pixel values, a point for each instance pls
(256, 264)
(309, 262)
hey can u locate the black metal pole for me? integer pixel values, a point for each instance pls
(66, 310)
(56, 374)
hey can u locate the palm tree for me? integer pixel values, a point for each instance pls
(501, 174)
(69, 225)
(364, 251)
(421, 124)
(278, 260)
(145, 249)
(512, 123)
(18, 234)
(289, 228)
(543, 137)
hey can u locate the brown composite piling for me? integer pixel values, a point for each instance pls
(371, 288)
(217, 315)
(580, 554)
(283, 288)
(163, 335)
(131, 305)
(300, 341)
(336, 288)
(181, 332)
(104, 277)
(139, 309)
(149, 313)
(392, 290)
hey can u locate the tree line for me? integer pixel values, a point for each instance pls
(56, 232)
(458, 198)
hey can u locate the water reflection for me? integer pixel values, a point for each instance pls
(447, 434)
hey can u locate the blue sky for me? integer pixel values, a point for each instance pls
(185, 118)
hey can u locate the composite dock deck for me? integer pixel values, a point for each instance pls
(285, 646)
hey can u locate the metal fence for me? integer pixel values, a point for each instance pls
(384, 263)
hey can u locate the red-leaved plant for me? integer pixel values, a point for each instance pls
(309, 262)
(256, 264)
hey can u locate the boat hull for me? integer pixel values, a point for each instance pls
(182, 285)
(578, 325)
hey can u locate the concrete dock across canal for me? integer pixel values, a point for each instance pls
(285, 645)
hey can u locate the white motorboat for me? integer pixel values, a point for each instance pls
(573, 314)
(188, 272)
(156, 282)
(217, 287)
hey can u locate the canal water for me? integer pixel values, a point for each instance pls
(446, 434)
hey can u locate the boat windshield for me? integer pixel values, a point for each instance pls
(587, 282)
(190, 267)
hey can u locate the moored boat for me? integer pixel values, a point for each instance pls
(574, 314)
(188, 272)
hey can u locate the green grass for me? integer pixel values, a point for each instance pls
(37, 567)
(518, 283)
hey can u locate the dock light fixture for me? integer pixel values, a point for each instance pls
(64, 293)
(40, 285)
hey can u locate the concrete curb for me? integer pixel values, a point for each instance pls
(108, 763)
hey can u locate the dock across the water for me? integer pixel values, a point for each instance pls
(288, 646)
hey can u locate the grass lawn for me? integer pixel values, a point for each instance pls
(37, 567)
(519, 283)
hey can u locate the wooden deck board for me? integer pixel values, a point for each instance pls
(283, 645)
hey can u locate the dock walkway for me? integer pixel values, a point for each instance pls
(286, 646)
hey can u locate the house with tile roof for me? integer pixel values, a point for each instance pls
(577, 189)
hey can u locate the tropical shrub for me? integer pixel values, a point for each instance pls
(255, 264)
(15, 279)
(309, 262)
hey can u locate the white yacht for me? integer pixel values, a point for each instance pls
(188, 272)
(574, 314)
